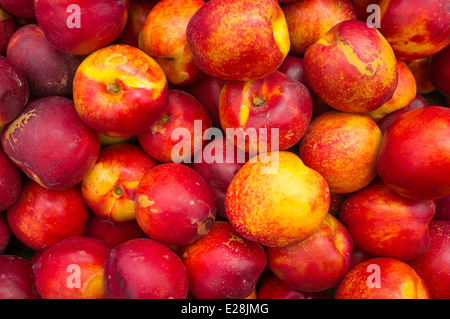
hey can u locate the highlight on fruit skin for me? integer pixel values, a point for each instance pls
(174, 55)
(308, 20)
(238, 40)
(399, 281)
(277, 202)
(120, 91)
(352, 67)
(343, 148)
(406, 162)
(415, 29)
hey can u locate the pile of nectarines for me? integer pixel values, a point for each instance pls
(224, 149)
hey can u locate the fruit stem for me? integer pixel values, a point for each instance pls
(164, 119)
(118, 191)
(113, 88)
(258, 101)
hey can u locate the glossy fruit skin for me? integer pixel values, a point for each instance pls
(221, 170)
(174, 204)
(343, 148)
(56, 268)
(19, 8)
(10, 182)
(120, 91)
(418, 102)
(415, 29)
(252, 202)
(434, 265)
(150, 270)
(439, 71)
(48, 71)
(274, 102)
(405, 162)
(137, 14)
(419, 68)
(353, 51)
(7, 29)
(292, 66)
(442, 208)
(14, 91)
(207, 90)
(308, 20)
(109, 188)
(184, 112)
(395, 279)
(385, 224)
(42, 217)
(163, 37)
(113, 233)
(100, 23)
(404, 93)
(27, 143)
(413, 180)
(234, 46)
(316, 264)
(16, 278)
(223, 264)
